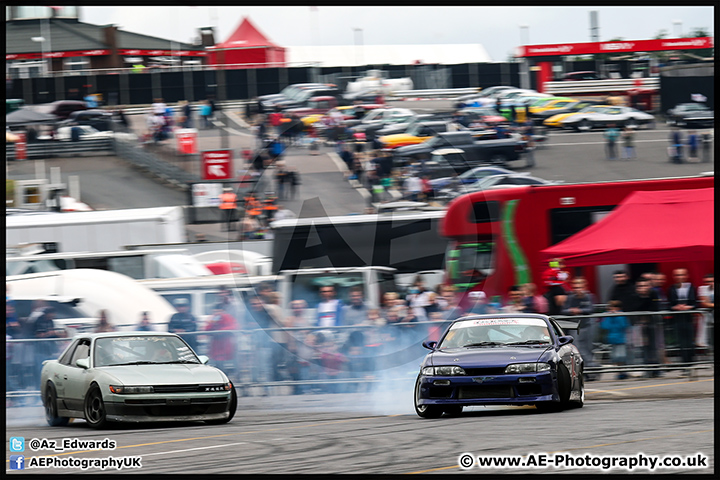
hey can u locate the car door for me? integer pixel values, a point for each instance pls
(77, 378)
(59, 374)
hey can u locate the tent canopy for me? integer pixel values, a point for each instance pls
(646, 227)
(246, 36)
(246, 46)
(26, 116)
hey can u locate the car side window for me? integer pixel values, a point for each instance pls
(65, 359)
(556, 328)
(81, 351)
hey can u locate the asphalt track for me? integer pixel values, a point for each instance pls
(377, 432)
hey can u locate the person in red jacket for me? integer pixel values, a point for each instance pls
(222, 345)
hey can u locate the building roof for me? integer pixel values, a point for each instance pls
(355, 55)
(72, 35)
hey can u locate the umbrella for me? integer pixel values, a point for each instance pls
(26, 116)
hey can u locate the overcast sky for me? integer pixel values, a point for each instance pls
(498, 29)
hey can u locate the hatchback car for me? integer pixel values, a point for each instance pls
(502, 359)
(134, 377)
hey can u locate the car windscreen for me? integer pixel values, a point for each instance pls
(473, 333)
(142, 350)
(695, 107)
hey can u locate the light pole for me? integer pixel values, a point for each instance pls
(41, 40)
(524, 39)
(360, 32)
(677, 24)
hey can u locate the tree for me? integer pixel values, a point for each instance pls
(703, 52)
(661, 34)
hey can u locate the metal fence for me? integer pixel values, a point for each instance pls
(344, 359)
(63, 149)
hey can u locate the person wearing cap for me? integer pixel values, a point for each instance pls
(478, 302)
(183, 322)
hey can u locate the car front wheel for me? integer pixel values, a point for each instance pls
(425, 411)
(95, 413)
(584, 126)
(232, 408)
(51, 414)
(499, 160)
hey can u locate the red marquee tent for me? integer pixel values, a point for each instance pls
(246, 46)
(647, 227)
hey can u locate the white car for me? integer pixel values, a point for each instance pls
(134, 377)
(494, 181)
(86, 133)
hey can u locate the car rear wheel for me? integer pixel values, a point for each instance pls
(581, 400)
(51, 414)
(95, 413)
(231, 409)
(631, 123)
(425, 411)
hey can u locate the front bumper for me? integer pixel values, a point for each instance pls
(504, 389)
(149, 408)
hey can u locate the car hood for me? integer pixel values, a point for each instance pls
(487, 356)
(164, 374)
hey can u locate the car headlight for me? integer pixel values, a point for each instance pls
(444, 371)
(129, 390)
(527, 367)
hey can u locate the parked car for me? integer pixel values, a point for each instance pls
(691, 115)
(98, 119)
(286, 94)
(62, 108)
(603, 115)
(501, 359)
(550, 104)
(493, 181)
(85, 132)
(584, 75)
(477, 147)
(134, 377)
(303, 96)
(468, 177)
(348, 112)
(417, 133)
(574, 107)
(472, 98)
(487, 115)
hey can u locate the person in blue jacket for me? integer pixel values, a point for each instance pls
(616, 334)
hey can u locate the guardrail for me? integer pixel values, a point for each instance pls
(600, 86)
(263, 358)
(61, 148)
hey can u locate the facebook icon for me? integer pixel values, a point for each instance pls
(17, 462)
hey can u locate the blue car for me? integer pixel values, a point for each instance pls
(501, 359)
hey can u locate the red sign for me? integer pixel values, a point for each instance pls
(99, 52)
(217, 164)
(187, 141)
(21, 146)
(622, 46)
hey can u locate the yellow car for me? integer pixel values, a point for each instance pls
(316, 117)
(550, 103)
(418, 133)
(556, 120)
